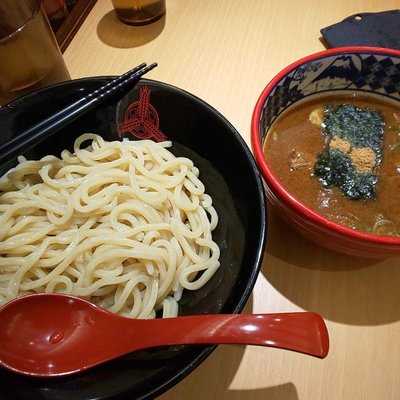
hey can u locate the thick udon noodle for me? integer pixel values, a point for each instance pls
(126, 225)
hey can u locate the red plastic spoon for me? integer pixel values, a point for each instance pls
(52, 335)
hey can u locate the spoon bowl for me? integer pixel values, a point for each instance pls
(53, 335)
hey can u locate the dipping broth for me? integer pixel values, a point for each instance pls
(295, 141)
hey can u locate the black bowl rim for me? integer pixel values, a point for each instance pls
(207, 350)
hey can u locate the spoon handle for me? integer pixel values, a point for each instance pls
(304, 332)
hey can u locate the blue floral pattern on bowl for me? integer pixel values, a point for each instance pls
(364, 72)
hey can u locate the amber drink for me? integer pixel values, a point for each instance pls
(139, 12)
(29, 54)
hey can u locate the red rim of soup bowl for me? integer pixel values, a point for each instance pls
(274, 184)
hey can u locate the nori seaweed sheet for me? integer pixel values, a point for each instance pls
(361, 128)
(334, 168)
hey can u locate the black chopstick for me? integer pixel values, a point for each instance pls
(32, 136)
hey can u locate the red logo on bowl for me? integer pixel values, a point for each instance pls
(141, 119)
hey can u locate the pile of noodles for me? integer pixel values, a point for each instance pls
(126, 225)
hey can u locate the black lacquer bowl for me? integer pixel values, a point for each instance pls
(231, 177)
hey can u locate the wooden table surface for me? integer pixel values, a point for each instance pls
(226, 51)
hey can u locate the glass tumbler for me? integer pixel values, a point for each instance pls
(29, 53)
(139, 12)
